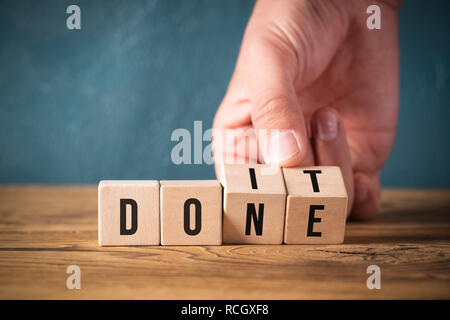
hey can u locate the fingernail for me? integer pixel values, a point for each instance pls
(326, 125)
(283, 145)
(361, 193)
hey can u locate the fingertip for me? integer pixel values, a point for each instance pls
(326, 124)
(367, 198)
(295, 160)
(331, 147)
(285, 149)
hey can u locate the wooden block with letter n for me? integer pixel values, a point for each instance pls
(191, 212)
(316, 208)
(254, 203)
(128, 213)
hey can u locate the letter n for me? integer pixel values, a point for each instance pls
(256, 217)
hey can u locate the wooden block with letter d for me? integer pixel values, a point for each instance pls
(254, 203)
(191, 212)
(128, 213)
(316, 208)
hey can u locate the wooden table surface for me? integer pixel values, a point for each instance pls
(44, 229)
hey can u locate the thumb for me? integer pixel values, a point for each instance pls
(276, 115)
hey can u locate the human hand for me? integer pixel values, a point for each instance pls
(315, 71)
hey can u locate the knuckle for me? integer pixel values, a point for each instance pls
(268, 112)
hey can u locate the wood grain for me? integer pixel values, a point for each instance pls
(44, 229)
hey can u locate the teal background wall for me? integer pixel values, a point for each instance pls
(102, 102)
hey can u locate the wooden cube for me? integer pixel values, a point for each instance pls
(254, 203)
(128, 213)
(316, 208)
(191, 212)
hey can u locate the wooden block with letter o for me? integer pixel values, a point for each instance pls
(254, 203)
(191, 212)
(316, 208)
(128, 213)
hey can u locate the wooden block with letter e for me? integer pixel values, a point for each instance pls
(191, 212)
(128, 213)
(254, 203)
(316, 208)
